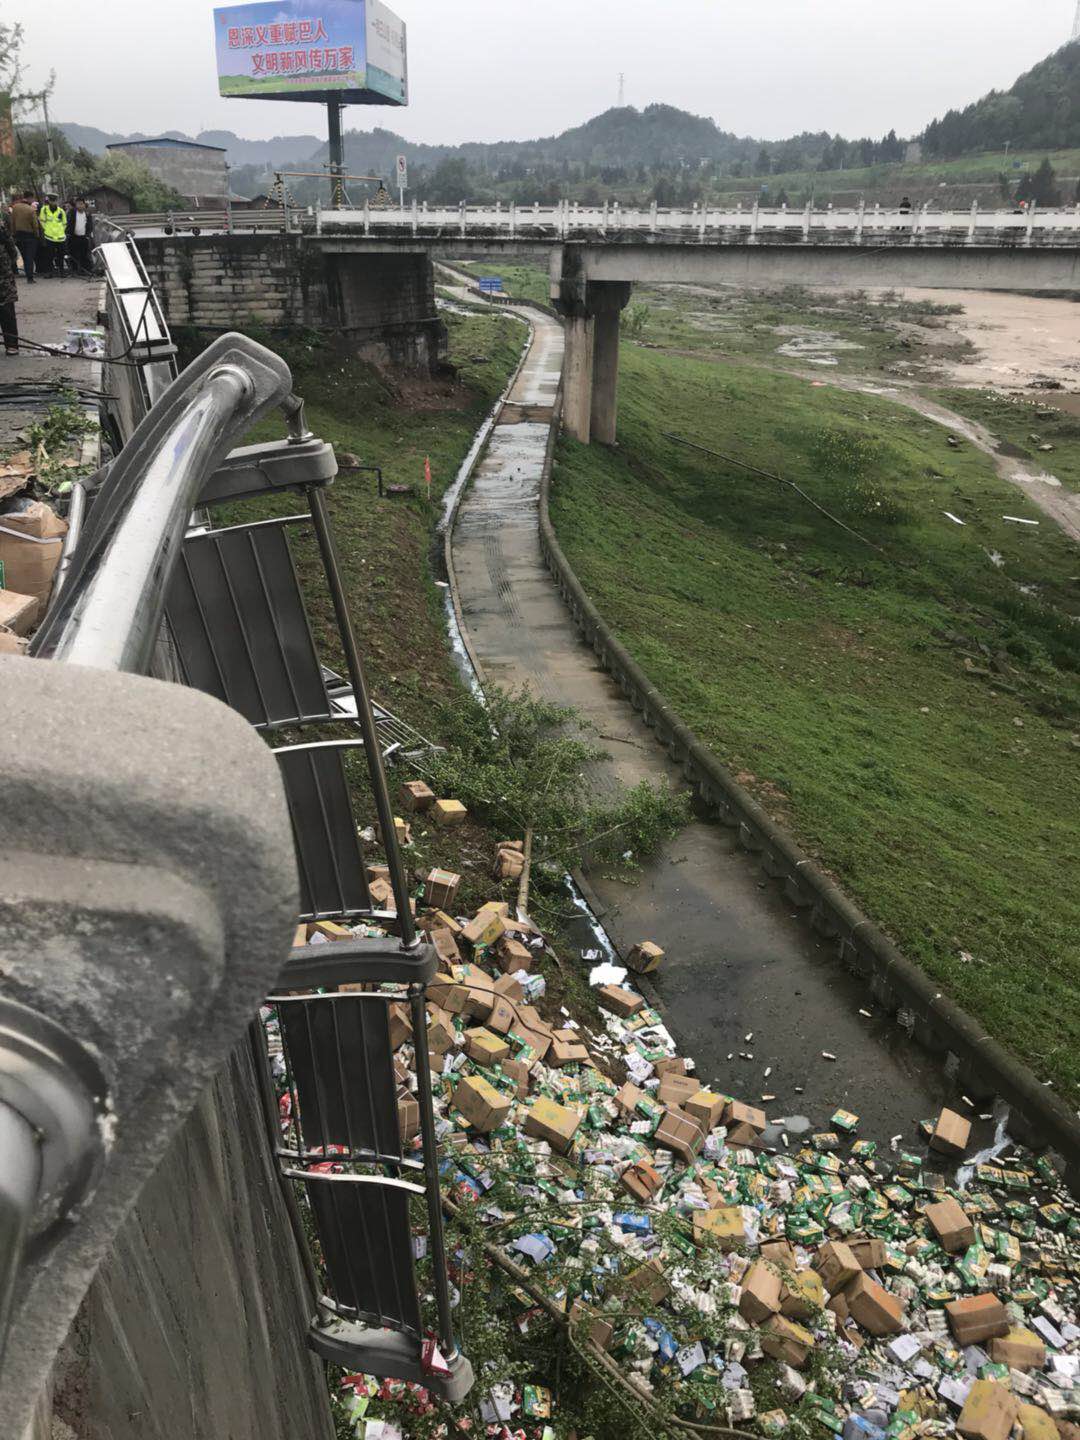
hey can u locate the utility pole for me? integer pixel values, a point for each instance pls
(48, 142)
(337, 155)
(622, 77)
(1076, 24)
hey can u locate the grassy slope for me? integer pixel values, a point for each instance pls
(384, 544)
(909, 717)
(1024, 422)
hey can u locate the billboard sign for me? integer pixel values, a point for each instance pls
(347, 50)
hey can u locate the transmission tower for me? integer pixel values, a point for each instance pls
(622, 77)
(1076, 23)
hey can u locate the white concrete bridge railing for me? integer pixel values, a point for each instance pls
(864, 225)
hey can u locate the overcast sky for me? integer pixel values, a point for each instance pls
(512, 69)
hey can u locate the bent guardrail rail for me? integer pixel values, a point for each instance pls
(150, 891)
(150, 888)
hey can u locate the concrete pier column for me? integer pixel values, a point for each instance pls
(591, 366)
(578, 375)
(605, 379)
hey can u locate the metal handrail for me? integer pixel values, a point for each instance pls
(109, 611)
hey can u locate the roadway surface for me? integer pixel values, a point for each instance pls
(739, 961)
(30, 380)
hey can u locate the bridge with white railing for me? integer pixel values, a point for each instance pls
(595, 253)
(861, 225)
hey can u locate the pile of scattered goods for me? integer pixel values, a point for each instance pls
(715, 1267)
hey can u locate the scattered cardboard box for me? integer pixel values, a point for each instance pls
(675, 1089)
(10, 643)
(400, 1025)
(724, 1225)
(448, 812)
(1036, 1424)
(869, 1251)
(484, 1107)
(786, 1341)
(416, 796)
(31, 539)
(951, 1133)
(441, 887)
(484, 1046)
(519, 1072)
(557, 1124)
(706, 1107)
(619, 1001)
(512, 955)
(18, 612)
(679, 1133)
(1020, 1349)
(408, 1108)
(641, 1180)
(873, 1307)
(837, 1265)
(761, 1291)
(803, 1293)
(976, 1318)
(644, 957)
(951, 1224)
(989, 1412)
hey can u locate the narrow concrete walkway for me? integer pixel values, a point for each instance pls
(739, 961)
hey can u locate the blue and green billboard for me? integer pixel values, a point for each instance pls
(348, 50)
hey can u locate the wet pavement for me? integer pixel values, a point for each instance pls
(739, 960)
(30, 380)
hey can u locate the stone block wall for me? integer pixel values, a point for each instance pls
(378, 306)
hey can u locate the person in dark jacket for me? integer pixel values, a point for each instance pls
(80, 237)
(27, 233)
(9, 268)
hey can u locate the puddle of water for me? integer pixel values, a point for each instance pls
(999, 1143)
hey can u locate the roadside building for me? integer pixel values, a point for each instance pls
(198, 172)
(108, 201)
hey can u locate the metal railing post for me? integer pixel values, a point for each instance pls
(367, 216)
(436, 1237)
(754, 220)
(652, 216)
(860, 222)
(807, 216)
(973, 221)
(1031, 221)
(365, 718)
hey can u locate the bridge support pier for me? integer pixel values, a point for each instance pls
(591, 365)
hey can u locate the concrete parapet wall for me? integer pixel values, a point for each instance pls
(380, 307)
(196, 1324)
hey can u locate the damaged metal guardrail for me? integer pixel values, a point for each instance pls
(150, 893)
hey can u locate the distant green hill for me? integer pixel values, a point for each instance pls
(1041, 111)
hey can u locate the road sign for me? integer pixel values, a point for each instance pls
(402, 173)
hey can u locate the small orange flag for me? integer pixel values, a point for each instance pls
(427, 474)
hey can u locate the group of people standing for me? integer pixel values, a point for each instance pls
(45, 236)
(48, 234)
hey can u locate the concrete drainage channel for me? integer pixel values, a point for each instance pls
(737, 966)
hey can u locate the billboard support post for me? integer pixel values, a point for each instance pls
(337, 155)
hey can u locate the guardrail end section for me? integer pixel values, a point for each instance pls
(148, 903)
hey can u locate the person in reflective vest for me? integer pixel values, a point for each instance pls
(54, 227)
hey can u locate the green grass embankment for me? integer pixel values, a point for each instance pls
(384, 544)
(911, 715)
